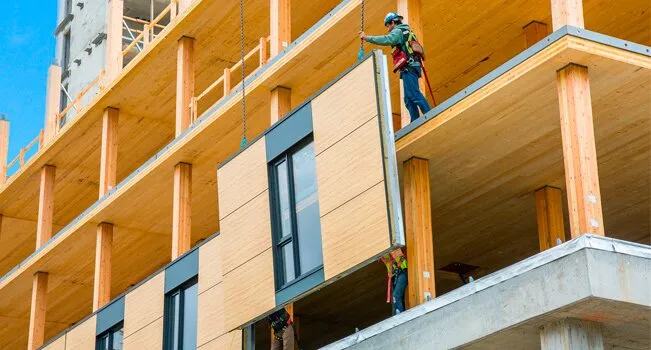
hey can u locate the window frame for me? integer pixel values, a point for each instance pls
(168, 322)
(276, 217)
(108, 334)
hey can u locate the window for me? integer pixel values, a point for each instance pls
(65, 55)
(181, 317)
(296, 221)
(111, 339)
(68, 7)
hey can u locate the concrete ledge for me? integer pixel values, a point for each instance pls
(591, 277)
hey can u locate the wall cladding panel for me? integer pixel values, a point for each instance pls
(144, 305)
(82, 337)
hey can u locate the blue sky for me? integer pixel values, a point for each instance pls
(26, 50)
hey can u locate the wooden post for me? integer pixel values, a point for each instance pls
(579, 151)
(114, 58)
(281, 25)
(173, 9)
(109, 151)
(52, 102)
(184, 83)
(103, 251)
(227, 81)
(263, 51)
(418, 225)
(281, 103)
(567, 13)
(4, 149)
(533, 33)
(549, 213)
(181, 224)
(37, 311)
(45, 206)
(410, 10)
(571, 334)
(184, 5)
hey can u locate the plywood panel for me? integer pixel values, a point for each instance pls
(144, 305)
(211, 314)
(246, 176)
(355, 232)
(249, 290)
(59, 344)
(349, 167)
(344, 106)
(246, 233)
(229, 341)
(82, 337)
(210, 268)
(150, 337)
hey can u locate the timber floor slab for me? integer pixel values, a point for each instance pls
(490, 151)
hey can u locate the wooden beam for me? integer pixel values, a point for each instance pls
(184, 83)
(52, 102)
(281, 25)
(281, 103)
(109, 151)
(411, 11)
(37, 311)
(181, 224)
(114, 58)
(4, 149)
(567, 13)
(418, 225)
(533, 33)
(579, 151)
(549, 213)
(103, 252)
(45, 206)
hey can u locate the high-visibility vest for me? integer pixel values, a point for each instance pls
(395, 262)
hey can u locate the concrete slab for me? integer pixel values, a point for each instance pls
(591, 277)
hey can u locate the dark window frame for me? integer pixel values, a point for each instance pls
(108, 334)
(168, 322)
(66, 53)
(276, 221)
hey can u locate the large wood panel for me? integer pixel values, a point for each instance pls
(211, 314)
(82, 337)
(210, 267)
(58, 344)
(144, 306)
(149, 337)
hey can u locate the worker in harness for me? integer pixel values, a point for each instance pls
(405, 61)
(283, 327)
(396, 264)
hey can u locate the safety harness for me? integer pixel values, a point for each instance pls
(409, 51)
(395, 263)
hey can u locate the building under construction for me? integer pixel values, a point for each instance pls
(204, 163)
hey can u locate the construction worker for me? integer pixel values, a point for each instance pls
(410, 71)
(396, 264)
(283, 329)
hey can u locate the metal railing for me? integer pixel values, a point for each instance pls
(225, 79)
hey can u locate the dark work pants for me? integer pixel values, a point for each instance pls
(414, 99)
(399, 286)
(285, 341)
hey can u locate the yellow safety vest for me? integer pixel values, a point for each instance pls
(395, 262)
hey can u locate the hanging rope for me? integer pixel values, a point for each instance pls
(360, 55)
(244, 141)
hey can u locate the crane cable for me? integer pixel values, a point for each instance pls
(244, 141)
(360, 55)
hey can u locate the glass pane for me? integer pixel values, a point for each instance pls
(176, 320)
(307, 209)
(283, 199)
(102, 342)
(117, 339)
(190, 317)
(288, 262)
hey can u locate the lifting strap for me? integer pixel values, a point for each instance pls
(244, 141)
(429, 86)
(360, 55)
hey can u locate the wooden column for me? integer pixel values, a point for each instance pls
(418, 225)
(45, 206)
(281, 25)
(4, 149)
(410, 10)
(181, 224)
(37, 312)
(567, 13)
(533, 33)
(52, 102)
(281, 103)
(579, 151)
(109, 151)
(184, 83)
(103, 252)
(571, 334)
(549, 213)
(114, 40)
